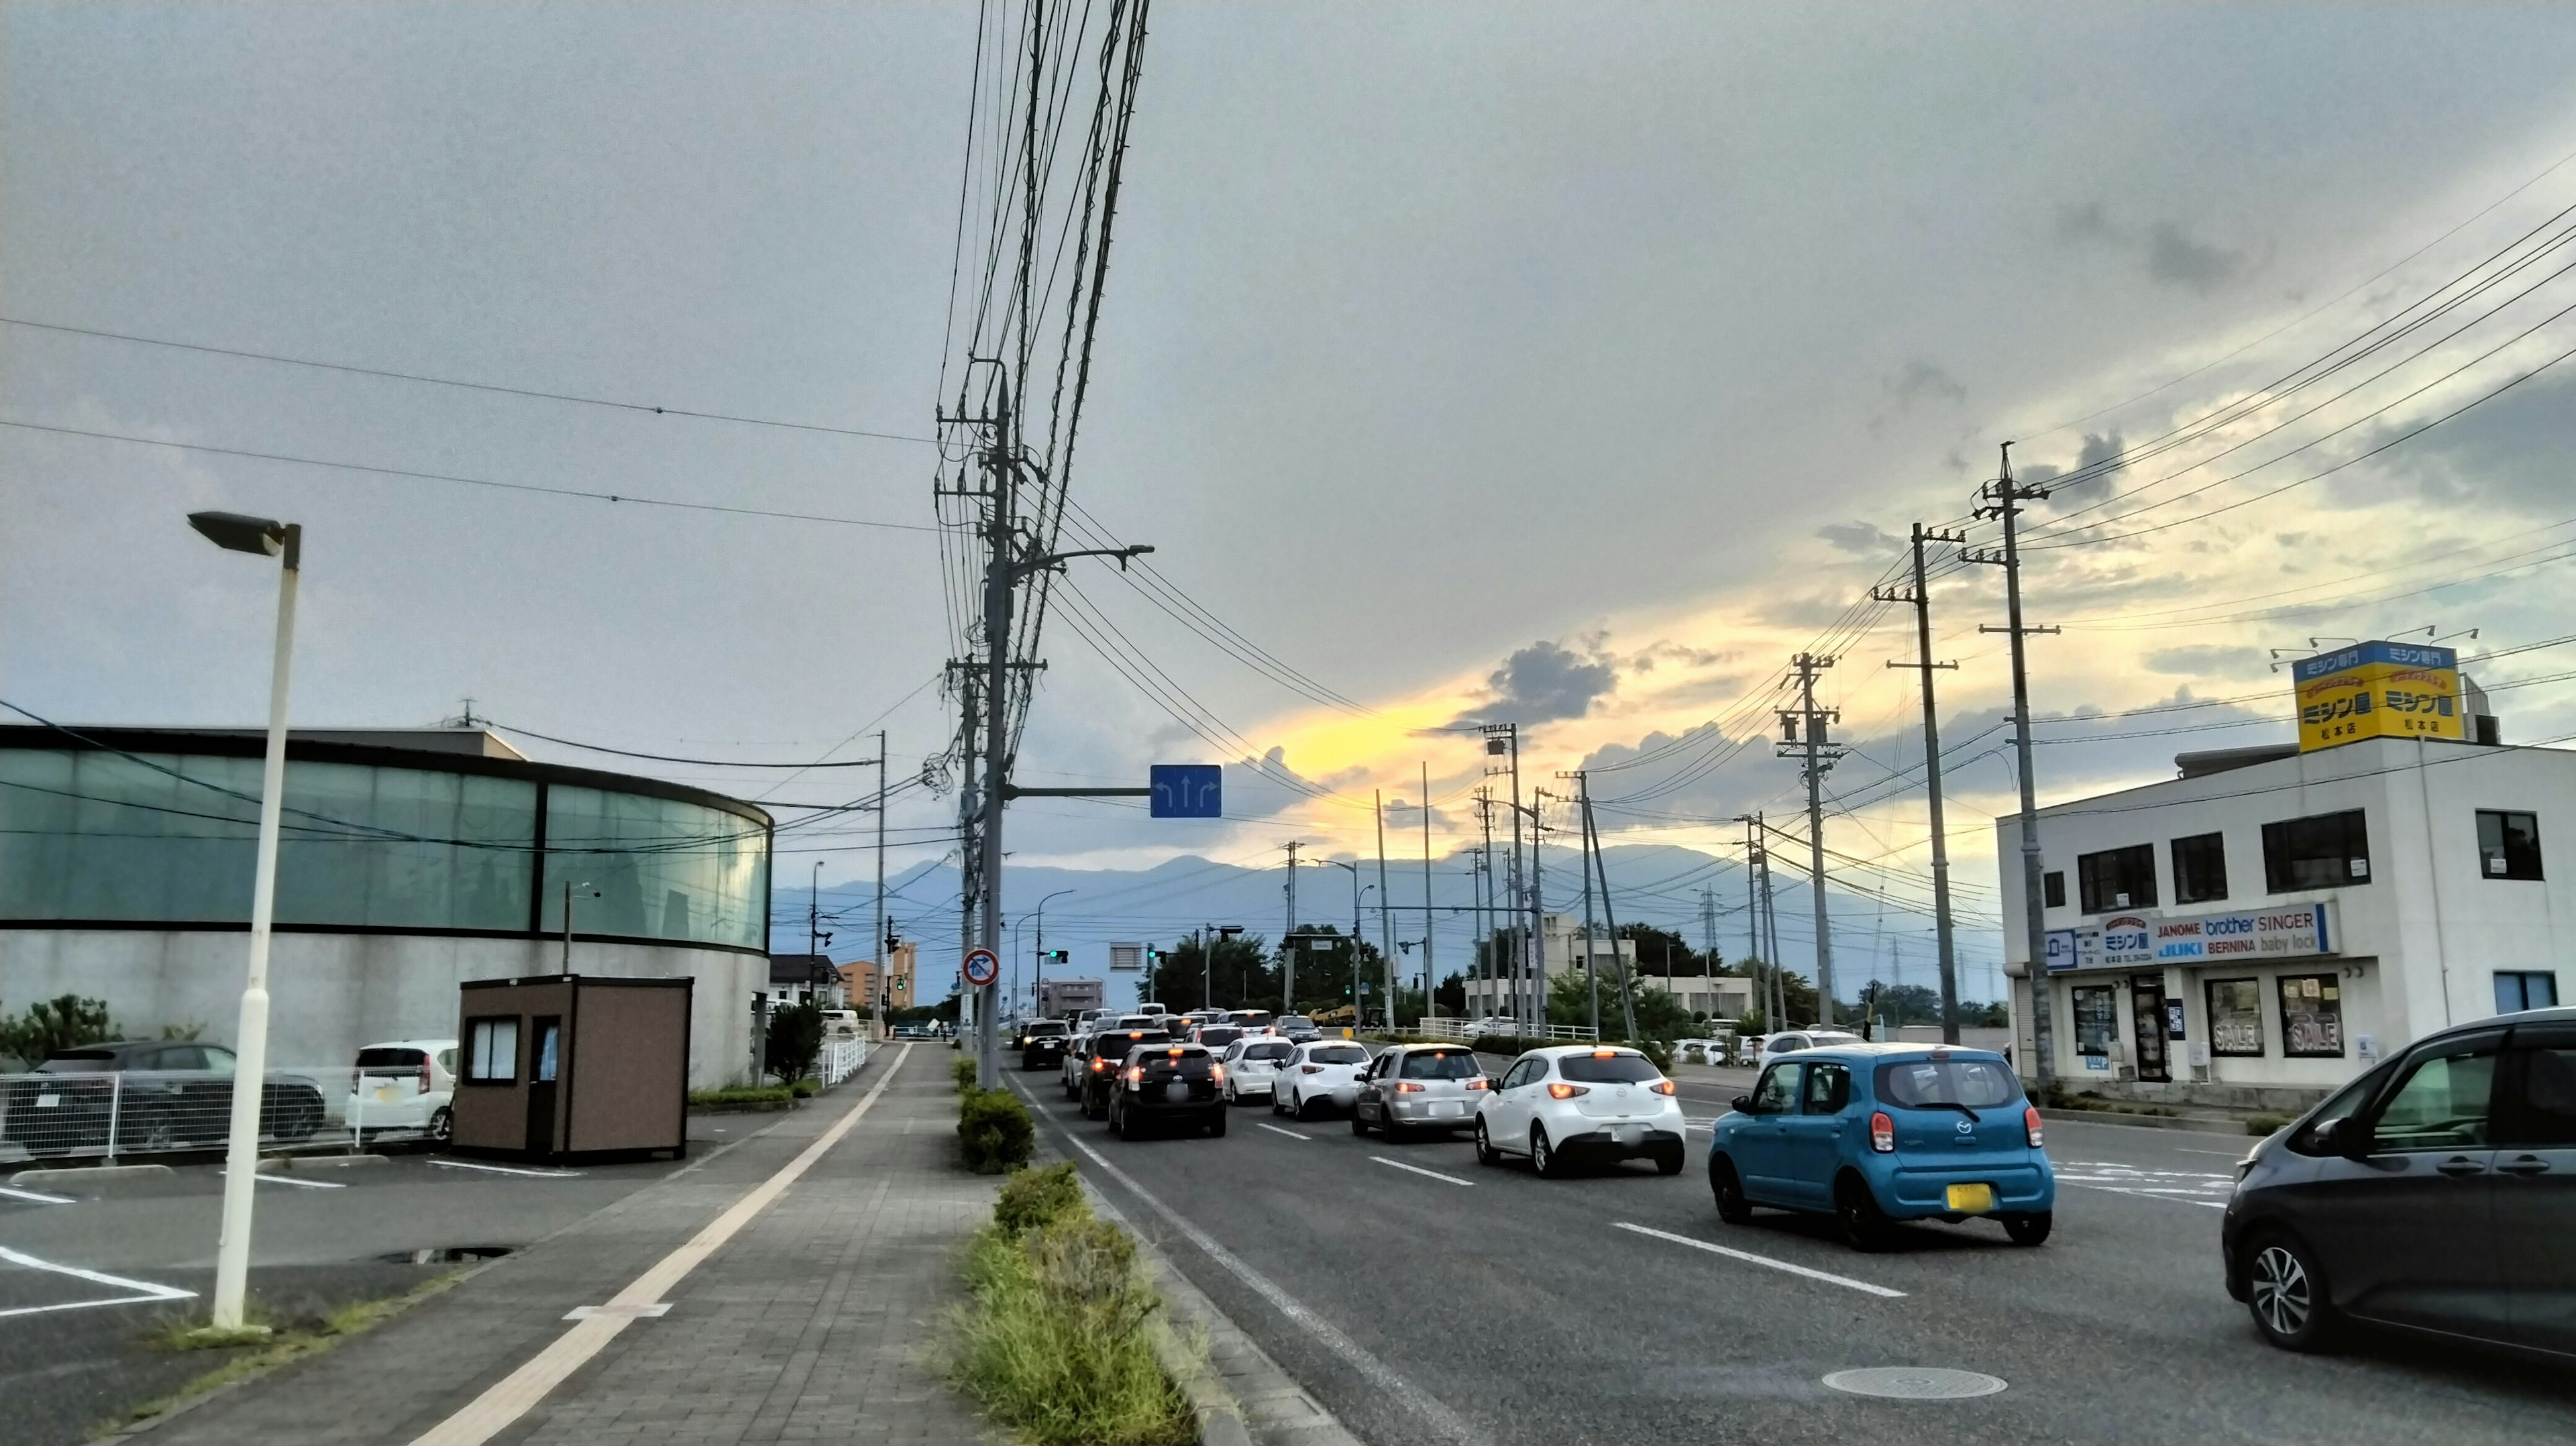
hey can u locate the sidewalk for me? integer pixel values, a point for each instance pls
(815, 1321)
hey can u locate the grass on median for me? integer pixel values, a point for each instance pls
(1057, 1339)
(286, 1342)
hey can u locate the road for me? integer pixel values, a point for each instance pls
(1425, 1298)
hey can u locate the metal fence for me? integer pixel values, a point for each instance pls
(842, 1059)
(107, 1115)
(1436, 1027)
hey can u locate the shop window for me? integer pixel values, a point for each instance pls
(2117, 879)
(2311, 1016)
(2508, 844)
(2052, 888)
(2097, 1019)
(2236, 1017)
(2326, 851)
(492, 1051)
(2519, 989)
(2200, 868)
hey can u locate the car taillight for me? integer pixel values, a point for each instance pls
(1477, 1083)
(424, 1074)
(2030, 1124)
(1560, 1090)
(1216, 1074)
(1408, 1087)
(1135, 1074)
(1882, 1133)
(1098, 1065)
(1663, 1087)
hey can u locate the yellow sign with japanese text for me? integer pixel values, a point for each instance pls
(2378, 690)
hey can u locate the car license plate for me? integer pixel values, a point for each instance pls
(47, 1102)
(1630, 1134)
(1178, 1092)
(1972, 1199)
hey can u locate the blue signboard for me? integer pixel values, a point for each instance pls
(1188, 790)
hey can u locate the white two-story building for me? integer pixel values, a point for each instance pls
(2270, 922)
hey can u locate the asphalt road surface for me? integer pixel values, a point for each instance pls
(1424, 1298)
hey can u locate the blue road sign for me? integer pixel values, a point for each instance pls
(1188, 790)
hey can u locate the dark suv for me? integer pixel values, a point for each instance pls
(1181, 1083)
(2434, 1193)
(156, 1095)
(1041, 1042)
(1106, 1052)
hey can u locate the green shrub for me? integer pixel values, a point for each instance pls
(963, 1072)
(994, 1131)
(2264, 1125)
(1031, 1198)
(67, 1021)
(742, 1095)
(806, 1088)
(1057, 1341)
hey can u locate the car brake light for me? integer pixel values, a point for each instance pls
(1663, 1087)
(2030, 1124)
(1174, 1051)
(1097, 1065)
(1310, 1069)
(1408, 1087)
(1882, 1133)
(424, 1074)
(1560, 1090)
(1216, 1074)
(1605, 1054)
(1477, 1083)
(1135, 1074)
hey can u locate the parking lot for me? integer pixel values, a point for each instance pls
(89, 1271)
(1424, 1297)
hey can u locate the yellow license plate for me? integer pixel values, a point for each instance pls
(1972, 1199)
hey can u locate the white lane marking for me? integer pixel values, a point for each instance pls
(1750, 1258)
(505, 1402)
(633, 1312)
(1274, 1129)
(1449, 1423)
(271, 1177)
(2229, 1154)
(1418, 1170)
(507, 1169)
(2191, 1187)
(38, 1196)
(145, 1291)
(2144, 1194)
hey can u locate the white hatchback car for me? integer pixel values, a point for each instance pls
(403, 1087)
(1252, 1067)
(1790, 1041)
(1319, 1073)
(1580, 1101)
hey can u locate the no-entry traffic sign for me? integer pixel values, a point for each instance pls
(982, 967)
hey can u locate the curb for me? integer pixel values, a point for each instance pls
(77, 1175)
(280, 1164)
(2235, 1128)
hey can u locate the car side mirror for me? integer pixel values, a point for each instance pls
(2348, 1137)
(1743, 1104)
(1493, 1082)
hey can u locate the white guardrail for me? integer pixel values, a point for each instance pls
(113, 1114)
(1467, 1029)
(842, 1059)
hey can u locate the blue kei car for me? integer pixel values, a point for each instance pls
(1876, 1133)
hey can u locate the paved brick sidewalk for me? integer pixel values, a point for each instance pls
(815, 1322)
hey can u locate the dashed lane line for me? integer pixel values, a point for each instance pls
(1418, 1170)
(1749, 1258)
(1274, 1129)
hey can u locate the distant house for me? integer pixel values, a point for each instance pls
(803, 978)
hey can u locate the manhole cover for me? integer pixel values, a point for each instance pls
(445, 1255)
(1915, 1383)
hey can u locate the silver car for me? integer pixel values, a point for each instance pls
(1424, 1087)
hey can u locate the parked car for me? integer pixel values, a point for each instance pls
(1790, 1041)
(1108, 1055)
(404, 1086)
(1319, 1073)
(1295, 1028)
(1571, 1102)
(1876, 1133)
(160, 1094)
(2432, 1194)
(1252, 1065)
(1041, 1042)
(1702, 1051)
(1174, 1084)
(1418, 1087)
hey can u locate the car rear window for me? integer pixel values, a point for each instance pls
(1141, 1021)
(391, 1058)
(1280, 1050)
(1339, 1054)
(1440, 1064)
(1980, 1084)
(1046, 1027)
(78, 1061)
(1219, 1034)
(1607, 1069)
(1250, 1018)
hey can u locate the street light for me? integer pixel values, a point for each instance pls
(1355, 936)
(1037, 984)
(237, 533)
(1207, 960)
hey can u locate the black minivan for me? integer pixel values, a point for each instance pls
(2435, 1193)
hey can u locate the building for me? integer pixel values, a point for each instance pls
(410, 861)
(1564, 948)
(1064, 998)
(806, 979)
(2260, 928)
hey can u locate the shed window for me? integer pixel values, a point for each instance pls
(2325, 851)
(492, 1051)
(2117, 879)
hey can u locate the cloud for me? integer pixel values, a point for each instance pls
(1545, 682)
(2207, 661)
(1922, 380)
(2170, 254)
(2101, 452)
(1858, 537)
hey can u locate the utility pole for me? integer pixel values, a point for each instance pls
(1488, 956)
(1538, 916)
(1427, 931)
(1771, 925)
(884, 960)
(1753, 921)
(1385, 929)
(1288, 940)
(970, 818)
(1591, 963)
(1921, 596)
(1609, 913)
(1803, 736)
(2003, 499)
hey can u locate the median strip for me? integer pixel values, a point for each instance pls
(1749, 1258)
(1418, 1170)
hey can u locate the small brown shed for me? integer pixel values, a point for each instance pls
(566, 1065)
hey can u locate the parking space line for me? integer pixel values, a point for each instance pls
(1418, 1170)
(38, 1196)
(1274, 1129)
(1750, 1258)
(507, 1169)
(146, 1291)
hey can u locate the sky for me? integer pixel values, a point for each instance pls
(1568, 365)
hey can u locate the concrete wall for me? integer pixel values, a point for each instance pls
(329, 994)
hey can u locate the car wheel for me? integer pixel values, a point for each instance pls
(1216, 1125)
(1542, 1156)
(1864, 1225)
(442, 1125)
(2286, 1294)
(1486, 1154)
(1359, 1124)
(1297, 1107)
(1274, 1102)
(2031, 1229)
(1732, 1206)
(1669, 1162)
(1117, 1122)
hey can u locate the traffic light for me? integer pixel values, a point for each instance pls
(1058, 956)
